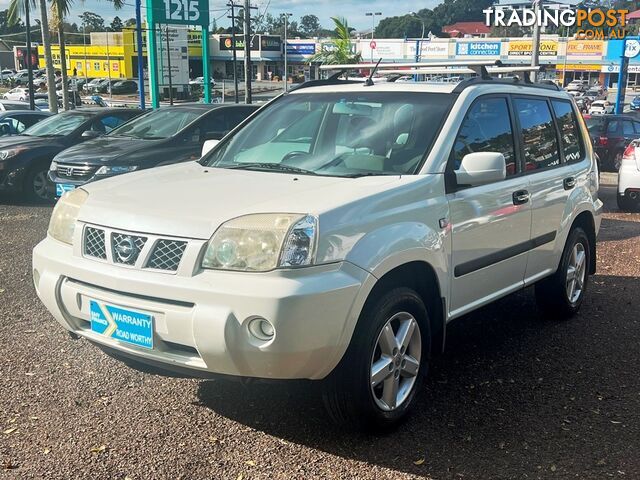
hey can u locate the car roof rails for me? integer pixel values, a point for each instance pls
(332, 80)
(484, 72)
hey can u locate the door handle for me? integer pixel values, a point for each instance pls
(520, 197)
(569, 183)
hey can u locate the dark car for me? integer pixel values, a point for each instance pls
(124, 87)
(25, 159)
(159, 137)
(610, 134)
(635, 104)
(104, 86)
(16, 122)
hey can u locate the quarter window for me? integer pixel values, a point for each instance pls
(627, 128)
(569, 132)
(539, 140)
(486, 128)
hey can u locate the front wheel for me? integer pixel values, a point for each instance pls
(561, 294)
(37, 186)
(375, 383)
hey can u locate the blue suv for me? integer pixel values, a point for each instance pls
(635, 103)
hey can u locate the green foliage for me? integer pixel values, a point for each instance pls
(92, 22)
(448, 12)
(309, 26)
(116, 24)
(339, 50)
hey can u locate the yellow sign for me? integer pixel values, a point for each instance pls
(517, 48)
(585, 48)
(579, 67)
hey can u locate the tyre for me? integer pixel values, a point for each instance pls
(561, 294)
(616, 161)
(624, 204)
(37, 186)
(374, 385)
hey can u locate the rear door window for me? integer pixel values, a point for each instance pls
(627, 128)
(569, 132)
(539, 141)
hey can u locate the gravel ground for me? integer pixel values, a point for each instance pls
(514, 396)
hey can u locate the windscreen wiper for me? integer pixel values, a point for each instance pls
(272, 166)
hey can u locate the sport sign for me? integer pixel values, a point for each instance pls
(182, 12)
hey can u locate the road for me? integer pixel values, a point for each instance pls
(515, 395)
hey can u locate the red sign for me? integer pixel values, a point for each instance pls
(372, 44)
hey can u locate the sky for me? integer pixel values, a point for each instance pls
(352, 10)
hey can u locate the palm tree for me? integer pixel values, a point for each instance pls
(17, 8)
(340, 51)
(59, 9)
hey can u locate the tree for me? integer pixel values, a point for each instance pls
(17, 8)
(309, 26)
(59, 9)
(130, 22)
(92, 22)
(339, 50)
(116, 24)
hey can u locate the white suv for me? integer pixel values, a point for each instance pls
(333, 236)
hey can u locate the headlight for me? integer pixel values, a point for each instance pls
(262, 242)
(64, 216)
(11, 152)
(115, 170)
(53, 167)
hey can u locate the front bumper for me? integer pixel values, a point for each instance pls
(201, 317)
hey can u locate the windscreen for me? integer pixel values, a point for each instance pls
(338, 134)
(595, 124)
(58, 125)
(157, 124)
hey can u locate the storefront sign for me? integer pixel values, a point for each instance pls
(301, 48)
(226, 43)
(270, 43)
(577, 67)
(185, 12)
(616, 68)
(478, 49)
(522, 48)
(387, 50)
(585, 48)
(429, 49)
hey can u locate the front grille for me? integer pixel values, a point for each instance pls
(126, 248)
(75, 172)
(167, 255)
(94, 244)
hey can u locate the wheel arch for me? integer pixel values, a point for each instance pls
(586, 221)
(421, 276)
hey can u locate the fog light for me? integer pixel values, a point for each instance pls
(261, 329)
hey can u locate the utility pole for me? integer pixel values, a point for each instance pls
(247, 51)
(139, 48)
(373, 26)
(535, 40)
(233, 48)
(169, 66)
(286, 25)
(32, 105)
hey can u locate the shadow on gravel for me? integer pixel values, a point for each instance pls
(614, 229)
(512, 393)
(17, 201)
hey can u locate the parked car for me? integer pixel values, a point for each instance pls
(200, 81)
(159, 137)
(629, 178)
(124, 87)
(610, 134)
(104, 86)
(635, 103)
(17, 93)
(21, 77)
(13, 105)
(595, 93)
(601, 107)
(332, 237)
(14, 122)
(6, 74)
(88, 87)
(25, 158)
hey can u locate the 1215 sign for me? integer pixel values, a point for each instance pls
(184, 12)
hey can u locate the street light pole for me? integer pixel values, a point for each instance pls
(373, 25)
(535, 40)
(28, 58)
(286, 25)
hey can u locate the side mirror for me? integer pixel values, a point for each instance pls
(208, 146)
(5, 129)
(87, 134)
(480, 168)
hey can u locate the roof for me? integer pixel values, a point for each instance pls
(633, 15)
(467, 28)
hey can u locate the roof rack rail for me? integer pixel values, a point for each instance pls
(332, 80)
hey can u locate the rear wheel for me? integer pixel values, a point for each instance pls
(375, 383)
(617, 161)
(561, 294)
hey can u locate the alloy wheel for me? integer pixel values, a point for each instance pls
(396, 361)
(576, 273)
(41, 185)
